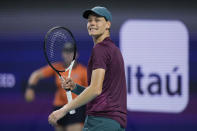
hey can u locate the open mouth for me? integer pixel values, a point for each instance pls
(93, 29)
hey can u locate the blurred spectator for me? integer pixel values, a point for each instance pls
(79, 75)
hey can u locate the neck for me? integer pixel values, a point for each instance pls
(100, 38)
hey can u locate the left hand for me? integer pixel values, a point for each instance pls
(55, 116)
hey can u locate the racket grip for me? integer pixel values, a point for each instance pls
(69, 97)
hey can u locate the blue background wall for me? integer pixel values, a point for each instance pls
(23, 25)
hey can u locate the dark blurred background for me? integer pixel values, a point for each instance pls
(23, 24)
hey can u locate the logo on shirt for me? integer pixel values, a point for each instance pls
(156, 63)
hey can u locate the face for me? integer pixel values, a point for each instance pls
(97, 25)
(67, 57)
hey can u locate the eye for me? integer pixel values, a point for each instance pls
(89, 20)
(97, 20)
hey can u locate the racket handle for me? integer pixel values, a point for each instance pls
(68, 93)
(69, 97)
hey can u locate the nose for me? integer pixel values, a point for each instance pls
(92, 23)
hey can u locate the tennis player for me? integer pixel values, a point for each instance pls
(106, 94)
(79, 75)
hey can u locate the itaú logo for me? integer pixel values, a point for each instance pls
(172, 82)
(156, 64)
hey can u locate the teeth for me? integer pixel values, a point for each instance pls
(92, 29)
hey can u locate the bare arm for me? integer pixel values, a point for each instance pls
(35, 77)
(33, 80)
(90, 92)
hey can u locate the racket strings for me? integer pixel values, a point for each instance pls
(56, 42)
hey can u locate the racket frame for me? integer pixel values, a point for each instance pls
(68, 92)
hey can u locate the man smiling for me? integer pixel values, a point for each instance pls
(106, 94)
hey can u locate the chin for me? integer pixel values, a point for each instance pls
(94, 34)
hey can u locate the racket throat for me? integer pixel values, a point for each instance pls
(69, 69)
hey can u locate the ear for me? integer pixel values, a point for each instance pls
(108, 25)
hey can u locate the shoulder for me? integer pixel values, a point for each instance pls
(106, 47)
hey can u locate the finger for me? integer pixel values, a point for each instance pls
(68, 80)
(66, 84)
(69, 85)
(52, 120)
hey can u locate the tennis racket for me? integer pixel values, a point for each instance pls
(56, 41)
